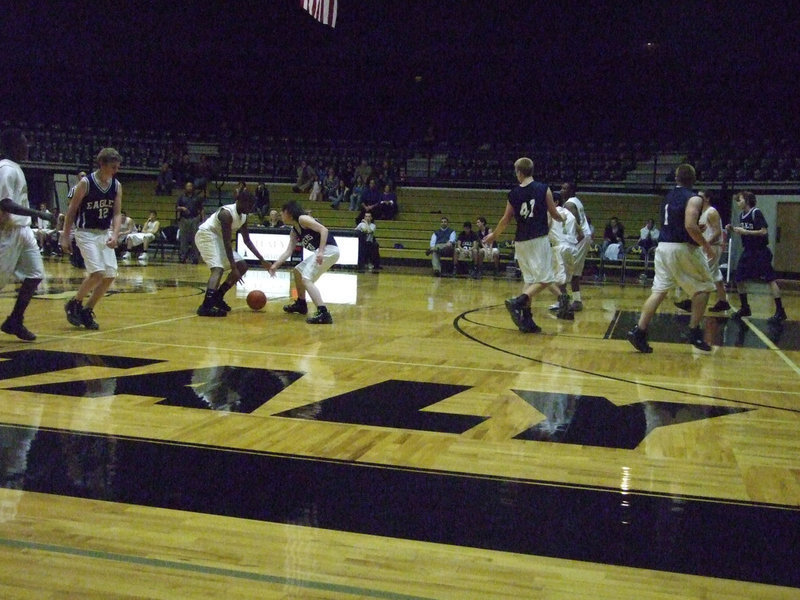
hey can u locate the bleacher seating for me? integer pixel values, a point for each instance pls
(487, 163)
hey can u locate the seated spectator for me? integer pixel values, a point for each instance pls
(358, 191)
(125, 229)
(442, 243)
(613, 246)
(138, 242)
(42, 228)
(316, 189)
(648, 236)
(339, 195)
(330, 184)
(614, 233)
(486, 252)
(387, 209)
(370, 201)
(371, 247)
(204, 176)
(240, 187)
(184, 171)
(466, 249)
(164, 181)
(305, 178)
(274, 219)
(364, 170)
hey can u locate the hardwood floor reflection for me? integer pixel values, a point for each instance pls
(419, 447)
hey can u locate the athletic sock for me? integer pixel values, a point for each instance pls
(576, 296)
(778, 305)
(223, 289)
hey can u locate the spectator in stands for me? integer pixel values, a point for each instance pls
(183, 171)
(189, 210)
(648, 236)
(364, 170)
(205, 174)
(42, 226)
(466, 249)
(164, 181)
(139, 241)
(262, 201)
(339, 195)
(348, 174)
(756, 259)
(127, 227)
(50, 245)
(371, 246)
(486, 252)
(240, 187)
(614, 234)
(315, 195)
(358, 191)
(387, 209)
(274, 219)
(370, 201)
(613, 246)
(442, 243)
(330, 184)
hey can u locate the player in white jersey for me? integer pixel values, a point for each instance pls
(213, 241)
(571, 202)
(711, 224)
(19, 252)
(563, 237)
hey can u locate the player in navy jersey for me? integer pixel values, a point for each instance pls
(528, 203)
(756, 259)
(679, 260)
(95, 208)
(314, 236)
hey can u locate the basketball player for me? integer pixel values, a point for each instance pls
(756, 259)
(711, 224)
(213, 241)
(679, 261)
(571, 202)
(314, 236)
(528, 203)
(564, 242)
(19, 252)
(95, 209)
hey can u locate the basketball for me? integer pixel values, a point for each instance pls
(256, 299)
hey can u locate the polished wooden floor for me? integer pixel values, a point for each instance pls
(403, 438)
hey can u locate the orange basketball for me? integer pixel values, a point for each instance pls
(256, 299)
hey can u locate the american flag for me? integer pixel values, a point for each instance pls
(323, 11)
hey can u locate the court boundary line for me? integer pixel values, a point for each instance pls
(59, 338)
(462, 316)
(771, 345)
(160, 563)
